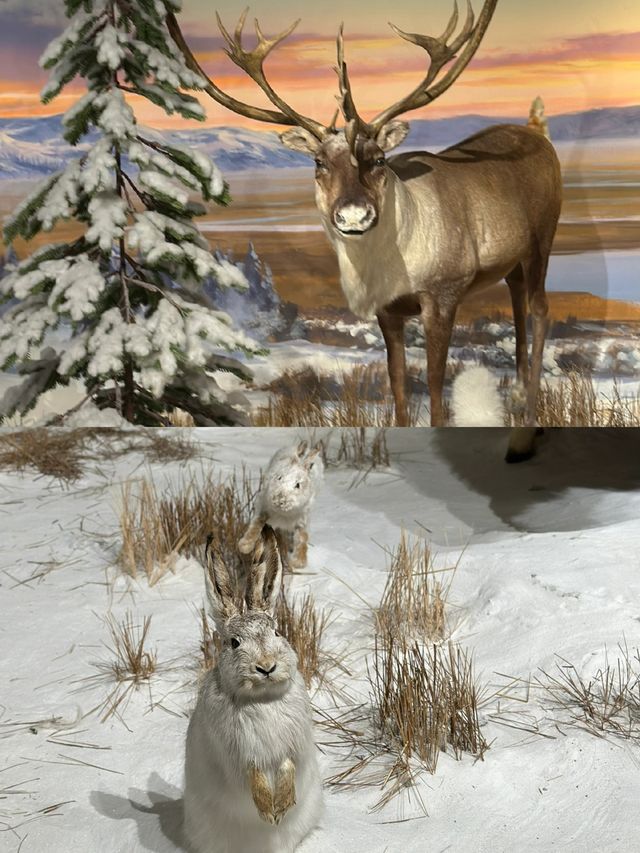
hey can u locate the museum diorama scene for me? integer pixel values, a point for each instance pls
(261, 641)
(320, 222)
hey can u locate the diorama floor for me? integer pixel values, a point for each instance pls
(548, 564)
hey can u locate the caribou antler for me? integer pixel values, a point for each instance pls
(440, 53)
(251, 62)
(354, 124)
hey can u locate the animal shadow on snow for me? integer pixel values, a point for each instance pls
(156, 811)
(534, 495)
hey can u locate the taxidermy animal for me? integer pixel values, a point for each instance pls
(288, 490)
(251, 776)
(416, 233)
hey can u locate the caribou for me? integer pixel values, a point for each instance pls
(417, 232)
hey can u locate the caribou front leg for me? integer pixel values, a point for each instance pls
(392, 328)
(438, 325)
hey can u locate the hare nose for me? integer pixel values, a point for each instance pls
(266, 671)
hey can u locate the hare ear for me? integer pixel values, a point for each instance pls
(312, 457)
(302, 449)
(218, 585)
(265, 576)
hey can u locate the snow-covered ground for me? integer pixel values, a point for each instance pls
(547, 563)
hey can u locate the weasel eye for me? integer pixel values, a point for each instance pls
(234, 643)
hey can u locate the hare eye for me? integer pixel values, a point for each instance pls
(297, 485)
(234, 643)
(276, 633)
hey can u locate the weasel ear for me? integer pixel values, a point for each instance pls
(392, 134)
(265, 575)
(299, 139)
(222, 604)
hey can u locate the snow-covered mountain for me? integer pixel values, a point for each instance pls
(32, 147)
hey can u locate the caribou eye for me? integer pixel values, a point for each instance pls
(234, 643)
(321, 165)
(379, 161)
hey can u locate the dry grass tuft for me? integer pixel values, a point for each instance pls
(164, 448)
(59, 453)
(303, 626)
(424, 702)
(63, 453)
(414, 598)
(607, 703)
(362, 449)
(360, 397)
(157, 526)
(574, 401)
(131, 660)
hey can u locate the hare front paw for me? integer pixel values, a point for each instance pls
(285, 796)
(262, 795)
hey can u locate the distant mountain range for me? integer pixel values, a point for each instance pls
(34, 147)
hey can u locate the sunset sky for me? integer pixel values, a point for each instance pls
(578, 54)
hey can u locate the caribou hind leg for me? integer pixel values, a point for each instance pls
(539, 307)
(532, 276)
(392, 327)
(518, 291)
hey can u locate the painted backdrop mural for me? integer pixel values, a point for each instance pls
(580, 57)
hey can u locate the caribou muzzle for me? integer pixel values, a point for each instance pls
(354, 218)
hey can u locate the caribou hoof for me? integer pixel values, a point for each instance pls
(515, 456)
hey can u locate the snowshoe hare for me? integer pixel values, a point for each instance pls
(289, 488)
(251, 777)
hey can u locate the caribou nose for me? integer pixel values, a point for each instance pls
(264, 670)
(354, 218)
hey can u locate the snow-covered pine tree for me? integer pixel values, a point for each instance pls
(141, 337)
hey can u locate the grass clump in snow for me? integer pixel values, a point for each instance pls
(607, 703)
(59, 453)
(158, 525)
(359, 397)
(63, 453)
(424, 702)
(574, 401)
(415, 595)
(132, 661)
(363, 449)
(303, 626)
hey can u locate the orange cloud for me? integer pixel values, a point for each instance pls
(573, 74)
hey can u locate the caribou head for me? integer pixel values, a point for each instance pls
(352, 174)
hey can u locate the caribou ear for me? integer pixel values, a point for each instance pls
(392, 134)
(299, 139)
(218, 585)
(265, 575)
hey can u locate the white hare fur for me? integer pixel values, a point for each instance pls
(288, 490)
(251, 777)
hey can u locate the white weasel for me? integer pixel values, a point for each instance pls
(288, 491)
(251, 777)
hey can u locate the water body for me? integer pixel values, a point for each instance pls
(609, 274)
